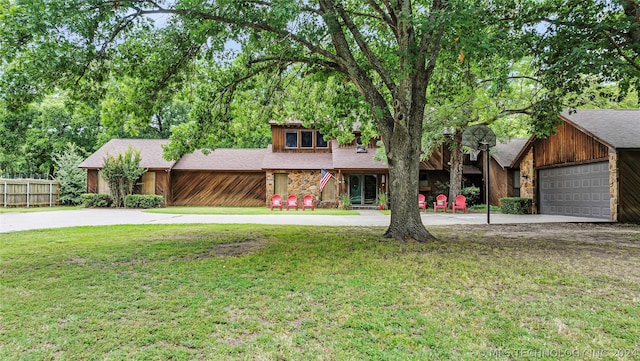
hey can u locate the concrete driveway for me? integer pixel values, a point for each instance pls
(10, 222)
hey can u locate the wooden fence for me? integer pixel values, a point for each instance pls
(29, 193)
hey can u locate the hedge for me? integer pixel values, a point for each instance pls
(515, 205)
(96, 200)
(144, 201)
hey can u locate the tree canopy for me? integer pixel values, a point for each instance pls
(381, 63)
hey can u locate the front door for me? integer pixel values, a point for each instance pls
(363, 189)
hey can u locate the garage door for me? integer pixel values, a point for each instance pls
(581, 190)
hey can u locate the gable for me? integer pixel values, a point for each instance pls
(568, 145)
(150, 153)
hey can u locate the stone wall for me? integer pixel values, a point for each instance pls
(527, 179)
(299, 183)
(613, 184)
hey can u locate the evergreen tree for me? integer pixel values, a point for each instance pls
(73, 180)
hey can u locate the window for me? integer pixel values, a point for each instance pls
(306, 139)
(291, 140)
(320, 142)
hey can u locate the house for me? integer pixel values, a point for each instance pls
(155, 181)
(291, 165)
(504, 175)
(589, 168)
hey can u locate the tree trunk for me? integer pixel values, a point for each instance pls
(455, 172)
(403, 156)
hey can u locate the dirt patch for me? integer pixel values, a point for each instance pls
(231, 249)
(596, 233)
(593, 249)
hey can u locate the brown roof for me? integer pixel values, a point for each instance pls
(347, 158)
(618, 128)
(296, 160)
(223, 159)
(506, 152)
(150, 153)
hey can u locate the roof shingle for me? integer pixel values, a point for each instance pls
(619, 128)
(223, 159)
(150, 153)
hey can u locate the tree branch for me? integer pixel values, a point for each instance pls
(362, 44)
(261, 27)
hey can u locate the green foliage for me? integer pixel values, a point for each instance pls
(472, 194)
(32, 135)
(144, 201)
(345, 202)
(73, 180)
(121, 172)
(90, 200)
(515, 205)
(382, 200)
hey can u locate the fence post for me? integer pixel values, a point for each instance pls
(50, 194)
(28, 194)
(5, 194)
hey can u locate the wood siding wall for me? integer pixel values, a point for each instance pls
(498, 182)
(92, 181)
(278, 141)
(629, 178)
(569, 145)
(231, 189)
(435, 160)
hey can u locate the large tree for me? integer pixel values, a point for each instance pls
(387, 50)
(580, 43)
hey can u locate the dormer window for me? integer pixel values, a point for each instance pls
(320, 142)
(291, 140)
(306, 138)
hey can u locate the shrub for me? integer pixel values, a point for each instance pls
(472, 193)
(515, 205)
(96, 200)
(121, 173)
(144, 201)
(73, 180)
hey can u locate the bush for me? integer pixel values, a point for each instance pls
(515, 205)
(96, 200)
(472, 193)
(144, 201)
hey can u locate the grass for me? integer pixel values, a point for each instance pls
(244, 292)
(249, 211)
(37, 209)
(483, 207)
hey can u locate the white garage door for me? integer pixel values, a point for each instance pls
(580, 190)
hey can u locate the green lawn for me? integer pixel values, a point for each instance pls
(249, 210)
(243, 292)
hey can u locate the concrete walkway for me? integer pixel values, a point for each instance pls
(10, 222)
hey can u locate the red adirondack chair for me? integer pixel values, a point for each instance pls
(292, 201)
(422, 202)
(307, 202)
(276, 202)
(460, 203)
(441, 202)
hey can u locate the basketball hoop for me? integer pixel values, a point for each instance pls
(473, 154)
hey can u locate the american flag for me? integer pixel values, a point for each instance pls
(324, 178)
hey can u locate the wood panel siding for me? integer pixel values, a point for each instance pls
(278, 141)
(629, 178)
(569, 145)
(498, 182)
(435, 160)
(231, 189)
(92, 181)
